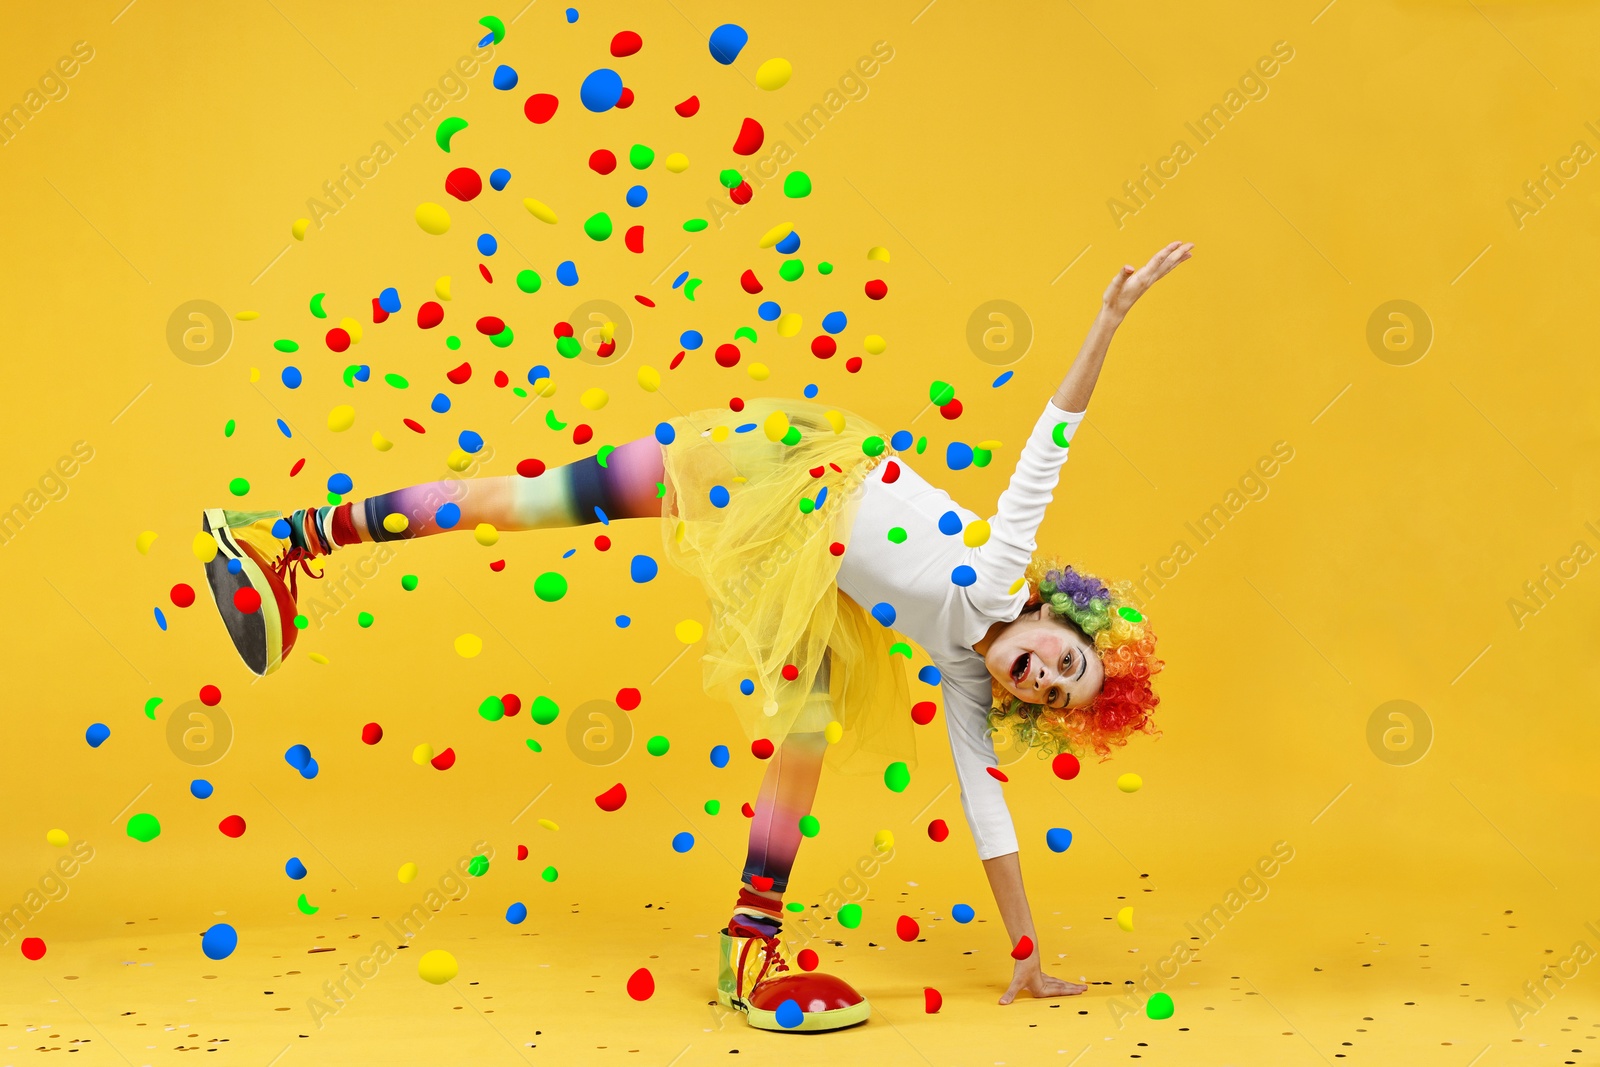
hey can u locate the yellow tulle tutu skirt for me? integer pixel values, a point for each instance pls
(765, 559)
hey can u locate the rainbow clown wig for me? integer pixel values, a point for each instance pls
(1126, 644)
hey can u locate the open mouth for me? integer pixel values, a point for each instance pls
(1019, 669)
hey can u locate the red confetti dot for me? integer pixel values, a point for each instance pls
(891, 471)
(633, 239)
(563, 329)
(906, 928)
(677, 359)
(33, 948)
(182, 595)
(603, 543)
(641, 984)
(645, 300)
(853, 365)
(807, 959)
(836, 548)
(582, 433)
(414, 426)
(233, 826)
(1024, 948)
(761, 748)
(299, 465)
(932, 1000)
(459, 375)
(876, 290)
(688, 108)
(922, 713)
(750, 283)
(1066, 766)
(790, 672)
(486, 275)
(823, 346)
(371, 734)
(741, 193)
(761, 883)
(602, 161)
(210, 696)
(540, 107)
(727, 355)
(501, 379)
(736, 404)
(430, 315)
(522, 852)
(951, 410)
(606, 348)
(625, 101)
(938, 830)
(247, 600)
(378, 314)
(530, 468)
(612, 798)
(627, 699)
(497, 565)
(491, 325)
(626, 44)
(997, 774)
(512, 702)
(338, 340)
(444, 760)
(748, 811)
(751, 135)
(463, 183)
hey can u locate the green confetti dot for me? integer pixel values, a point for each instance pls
(713, 807)
(503, 339)
(1159, 1006)
(981, 457)
(1130, 614)
(941, 393)
(897, 776)
(408, 582)
(364, 619)
(335, 498)
(285, 345)
(791, 270)
(598, 226)
(657, 745)
(794, 905)
(873, 446)
(695, 225)
(797, 185)
(897, 534)
(544, 711)
(806, 505)
(550, 587)
(301, 622)
(568, 347)
(729, 178)
(791, 436)
(395, 381)
(536, 746)
(922, 445)
(478, 867)
(227, 431)
(150, 707)
(316, 306)
(452, 342)
(529, 281)
(492, 708)
(641, 156)
(824, 267)
(850, 916)
(144, 827)
(1059, 435)
(519, 390)
(809, 826)
(238, 487)
(549, 874)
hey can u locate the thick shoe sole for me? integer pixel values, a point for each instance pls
(258, 636)
(810, 1022)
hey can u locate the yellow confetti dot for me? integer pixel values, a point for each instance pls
(835, 419)
(458, 460)
(874, 344)
(58, 838)
(776, 234)
(539, 210)
(689, 631)
(422, 754)
(341, 418)
(594, 399)
(976, 533)
(437, 967)
(677, 163)
(833, 731)
(775, 426)
(1125, 919)
(879, 253)
(486, 535)
(299, 228)
(1129, 783)
(883, 840)
(255, 374)
(678, 531)
(433, 218)
(408, 873)
(469, 645)
(145, 540)
(1017, 585)
(441, 288)
(548, 824)
(396, 522)
(545, 387)
(351, 327)
(649, 378)
(380, 442)
(774, 74)
(720, 433)
(205, 547)
(789, 324)
(759, 372)
(248, 316)
(318, 657)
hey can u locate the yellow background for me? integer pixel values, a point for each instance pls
(1419, 500)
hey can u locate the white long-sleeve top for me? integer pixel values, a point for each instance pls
(916, 578)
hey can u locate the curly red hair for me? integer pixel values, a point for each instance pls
(1126, 643)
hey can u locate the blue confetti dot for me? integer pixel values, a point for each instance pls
(682, 842)
(901, 440)
(680, 279)
(883, 611)
(487, 245)
(691, 339)
(665, 434)
(950, 523)
(623, 622)
(234, 566)
(309, 771)
(769, 311)
(517, 913)
(719, 496)
(789, 245)
(298, 756)
(600, 514)
(498, 178)
(929, 675)
(441, 403)
(505, 78)
(719, 756)
(337, 483)
(219, 941)
(746, 686)
(294, 868)
(642, 569)
(1058, 839)
(789, 1014)
(470, 441)
(292, 377)
(96, 734)
(833, 321)
(958, 456)
(200, 789)
(601, 90)
(283, 428)
(281, 528)
(963, 576)
(727, 41)
(447, 516)
(537, 371)
(572, 15)
(637, 195)
(822, 498)
(810, 391)
(161, 620)
(962, 913)
(567, 272)
(389, 300)
(1003, 379)
(569, 553)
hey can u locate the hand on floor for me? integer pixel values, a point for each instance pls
(1028, 976)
